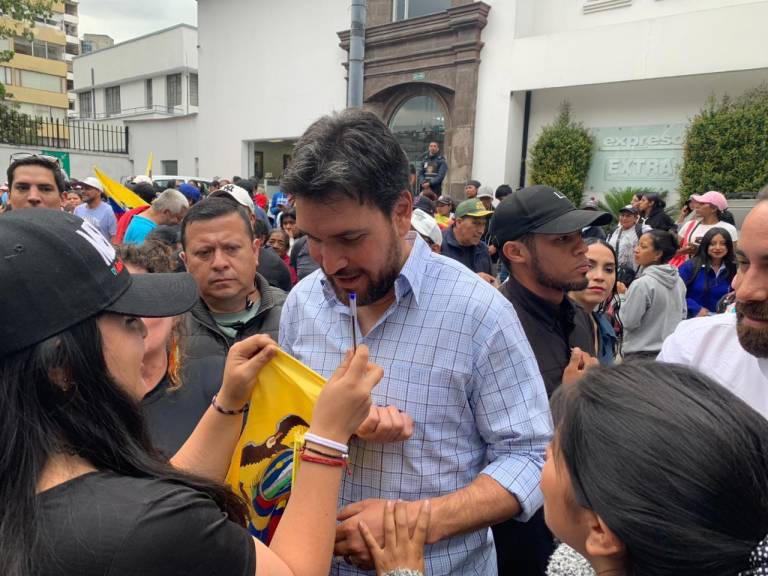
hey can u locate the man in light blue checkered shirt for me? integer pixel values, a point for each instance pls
(454, 354)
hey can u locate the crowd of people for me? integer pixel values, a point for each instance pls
(524, 386)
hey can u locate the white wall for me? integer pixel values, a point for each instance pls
(270, 82)
(166, 139)
(116, 166)
(174, 49)
(613, 55)
(693, 42)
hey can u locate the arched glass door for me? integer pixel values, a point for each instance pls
(419, 121)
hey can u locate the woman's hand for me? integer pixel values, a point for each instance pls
(345, 401)
(401, 550)
(244, 361)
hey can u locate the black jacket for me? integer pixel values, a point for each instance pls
(476, 257)
(552, 330)
(660, 220)
(205, 338)
(435, 182)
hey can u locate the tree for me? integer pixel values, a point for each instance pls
(726, 146)
(562, 155)
(19, 19)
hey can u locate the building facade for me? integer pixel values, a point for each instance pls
(481, 78)
(38, 79)
(150, 84)
(92, 42)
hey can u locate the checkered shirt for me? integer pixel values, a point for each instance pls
(456, 359)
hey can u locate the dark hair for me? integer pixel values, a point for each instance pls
(166, 234)
(151, 256)
(502, 191)
(93, 416)
(212, 208)
(674, 463)
(58, 174)
(352, 154)
(611, 307)
(664, 241)
(658, 202)
(145, 191)
(283, 233)
(260, 230)
(701, 260)
(290, 214)
(248, 184)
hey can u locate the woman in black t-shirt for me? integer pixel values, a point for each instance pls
(83, 491)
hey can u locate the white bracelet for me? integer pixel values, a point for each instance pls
(320, 441)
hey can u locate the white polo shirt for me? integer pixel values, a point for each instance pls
(710, 344)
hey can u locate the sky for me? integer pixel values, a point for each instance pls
(126, 19)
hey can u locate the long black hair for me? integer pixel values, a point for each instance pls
(674, 464)
(611, 307)
(701, 260)
(90, 415)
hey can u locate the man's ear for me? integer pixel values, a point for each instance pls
(402, 212)
(601, 541)
(516, 252)
(183, 256)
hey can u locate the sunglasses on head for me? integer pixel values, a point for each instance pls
(24, 155)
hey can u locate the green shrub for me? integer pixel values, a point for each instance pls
(726, 146)
(562, 155)
(616, 198)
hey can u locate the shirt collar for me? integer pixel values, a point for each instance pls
(409, 279)
(543, 310)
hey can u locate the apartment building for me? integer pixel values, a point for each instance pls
(39, 79)
(150, 84)
(92, 42)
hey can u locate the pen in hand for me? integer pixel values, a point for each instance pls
(353, 316)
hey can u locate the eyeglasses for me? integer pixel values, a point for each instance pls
(24, 155)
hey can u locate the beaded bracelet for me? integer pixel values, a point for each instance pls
(403, 572)
(324, 454)
(221, 410)
(336, 461)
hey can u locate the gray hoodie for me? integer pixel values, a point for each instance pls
(654, 306)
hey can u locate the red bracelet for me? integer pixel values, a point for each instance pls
(339, 462)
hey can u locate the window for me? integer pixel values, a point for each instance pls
(418, 121)
(5, 44)
(600, 5)
(112, 100)
(71, 9)
(170, 167)
(70, 85)
(172, 92)
(55, 52)
(70, 29)
(193, 98)
(404, 9)
(22, 46)
(148, 93)
(72, 105)
(86, 105)
(73, 49)
(39, 49)
(6, 75)
(40, 81)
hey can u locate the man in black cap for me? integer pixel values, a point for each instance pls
(472, 188)
(537, 232)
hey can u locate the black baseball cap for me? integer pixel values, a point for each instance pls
(57, 270)
(540, 210)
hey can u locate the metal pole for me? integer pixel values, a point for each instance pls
(356, 55)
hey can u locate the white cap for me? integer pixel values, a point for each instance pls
(93, 182)
(485, 192)
(142, 179)
(424, 224)
(239, 194)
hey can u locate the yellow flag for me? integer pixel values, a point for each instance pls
(149, 165)
(119, 193)
(262, 465)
